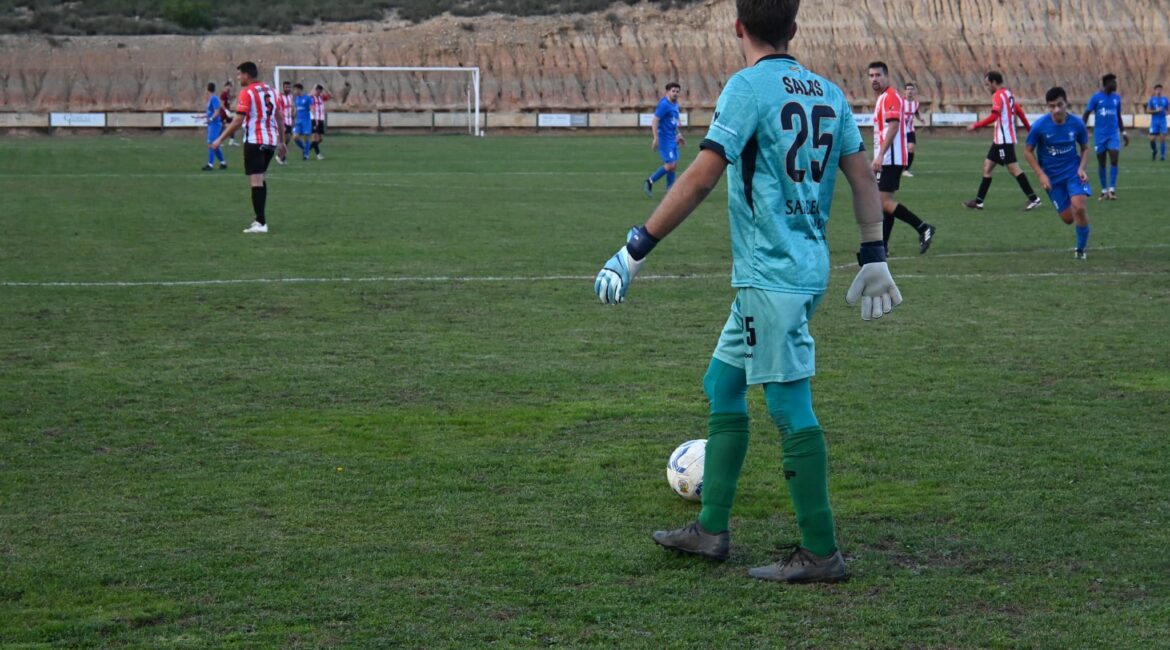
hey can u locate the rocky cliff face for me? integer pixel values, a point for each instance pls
(620, 60)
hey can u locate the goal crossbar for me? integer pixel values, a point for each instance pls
(473, 100)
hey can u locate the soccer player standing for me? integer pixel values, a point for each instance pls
(1156, 107)
(286, 98)
(319, 99)
(214, 128)
(889, 159)
(665, 137)
(910, 113)
(1108, 132)
(1060, 167)
(784, 131)
(225, 108)
(303, 128)
(259, 111)
(1004, 111)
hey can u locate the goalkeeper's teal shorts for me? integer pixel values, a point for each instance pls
(767, 335)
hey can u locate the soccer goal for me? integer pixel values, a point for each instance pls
(453, 92)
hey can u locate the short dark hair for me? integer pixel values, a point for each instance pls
(879, 64)
(673, 84)
(995, 76)
(911, 84)
(285, 83)
(249, 68)
(1107, 78)
(1157, 86)
(298, 86)
(319, 87)
(210, 86)
(770, 21)
(227, 83)
(1054, 93)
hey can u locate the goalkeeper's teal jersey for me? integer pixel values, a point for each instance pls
(783, 130)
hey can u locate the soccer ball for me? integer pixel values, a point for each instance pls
(685, 469)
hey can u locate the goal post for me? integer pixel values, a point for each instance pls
(471, 96)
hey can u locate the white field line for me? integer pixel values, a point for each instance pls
(455, 279)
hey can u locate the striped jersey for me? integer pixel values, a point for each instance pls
(1004, 103)
(258, 104)
(889, 109)
(319, 107)
(909, 110)
(287, 100)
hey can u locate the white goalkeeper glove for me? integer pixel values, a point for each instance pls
(873, 285)
(613, 280)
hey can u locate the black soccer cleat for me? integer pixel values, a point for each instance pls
(802, 565)
(925, 238)
(973, 204)
(648, 186)
(693, 540)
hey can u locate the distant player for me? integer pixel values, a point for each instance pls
(214, 128)
(225, 108)
(303, 125)
(889, 157)
(781, 132)
(259, 112)
(1061, 168)
(910, 113)
(319, 99)
(1156, 107)
(1108, 132)
(666, 137)
(1004, 111)
(286, 97)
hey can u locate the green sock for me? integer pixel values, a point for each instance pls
(806, 469)
(727, 443)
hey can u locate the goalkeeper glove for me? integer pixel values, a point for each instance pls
(873, 284)
(613, 280)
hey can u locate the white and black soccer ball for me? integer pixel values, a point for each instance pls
(684, 471)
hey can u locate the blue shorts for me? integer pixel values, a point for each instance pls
(1062, 192)
(214, 130)
(1158, 127)
(1107, 142)
(303, 127)
(669, 152)
(767, 335)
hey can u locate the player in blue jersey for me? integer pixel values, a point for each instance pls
(1052, 151)
(667, 138)
(1156, 107)
(781, 132)
(214, 128)
(303, 121)
(1108, 132)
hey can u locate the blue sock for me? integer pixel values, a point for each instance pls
(1082, 237)
(1113, 176)
(659, 173)
(219, 154)
(210, 156)
(669, 179)
(1163, 150)
(1101, 175)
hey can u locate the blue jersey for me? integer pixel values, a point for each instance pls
(1058, 146)
(1157, 107)
(667, 114)
(1106, 108)
(214, 125)
(783, 130)
(304, 104)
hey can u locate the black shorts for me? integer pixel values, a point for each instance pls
(1002, 154)
(319, 127)
(257, 157)
(890, 179)
(910, 139)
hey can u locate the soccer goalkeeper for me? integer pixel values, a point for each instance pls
(784, 132)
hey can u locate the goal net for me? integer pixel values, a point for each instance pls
(450, 96)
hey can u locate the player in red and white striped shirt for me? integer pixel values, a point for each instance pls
(261, 112)
(319, 99)
(1004, 111)
(910, 113)
(286, 98)
(889, 158)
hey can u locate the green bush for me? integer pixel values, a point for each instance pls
(191, 15)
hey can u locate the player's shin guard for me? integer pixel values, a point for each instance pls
(984, 187)
(210, 156)
(727, 443)
(1026, 187)
(219, 155)
(1082, 238)
(259, 199)
(658, 173)
(806, 469)
(669, 179)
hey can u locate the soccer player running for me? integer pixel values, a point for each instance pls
(319, 99)
(259, 111)
(1108, 132)
(1060, 167)
(666, 138)
(784, 131)
(889, 160)
(910, 113)
(214, 128)
(1004, 111)
(1156, 107)
(303, 127)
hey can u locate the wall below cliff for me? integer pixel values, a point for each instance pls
(619, 60)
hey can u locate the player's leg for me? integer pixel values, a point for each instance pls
(1022, 179)
(1101, 172)
(670, 167)
(1079, 214)
(256, 160)
(1162, 138)
(911, 147)
(1153, 142)
(888, 184)
(989, 164)
(1114, 160)
(666, 169)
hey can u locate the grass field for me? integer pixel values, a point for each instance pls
(402, 418)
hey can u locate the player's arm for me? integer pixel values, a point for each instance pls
(1023, 117)
(1081, 173)
(873, 284)
(1089, 110)
(1030, 157)
(987, 121)
(229, 130)
(654, 132)
(688, 192)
